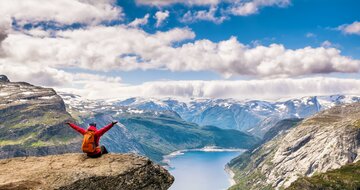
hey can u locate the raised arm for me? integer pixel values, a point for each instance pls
(77, 128)
(103, 130)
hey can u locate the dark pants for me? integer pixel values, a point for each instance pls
(103, 151)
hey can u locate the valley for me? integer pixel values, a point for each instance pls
(287, 141)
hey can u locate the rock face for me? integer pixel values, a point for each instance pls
(76, 171)
(323, 142)
(32, 121)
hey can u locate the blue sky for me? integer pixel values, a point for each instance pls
(89, 47)
(286, 25)
(302, 23)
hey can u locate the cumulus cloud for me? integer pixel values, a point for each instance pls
(230, 57)
(207, 15)
(122, 48)
(62, 12)
(254, 89)
(160, 17)
(353, 28)
(97, 48)
(140, 21)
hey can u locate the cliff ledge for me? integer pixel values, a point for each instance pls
(77, 171)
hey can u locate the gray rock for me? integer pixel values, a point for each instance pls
(77, 171)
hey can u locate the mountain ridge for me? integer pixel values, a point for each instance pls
(254, 116)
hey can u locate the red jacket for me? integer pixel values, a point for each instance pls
(98, 133)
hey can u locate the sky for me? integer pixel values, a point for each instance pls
(241, 49)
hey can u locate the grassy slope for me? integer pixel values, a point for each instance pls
(35, 126)
(344, 178)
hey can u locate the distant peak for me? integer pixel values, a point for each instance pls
(4, 78)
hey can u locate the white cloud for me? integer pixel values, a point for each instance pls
(353, 28)
(51, 77)
(123, 48)
(254, 89)
(160, 17)
(245, 8)
(97, 48)
(39, 75)
(140, 21)
(170, 2)
(229, 7)
(61, 11)
(231, 57)
(310, 35)
(95, 86)
(326, 44)
(209, 15)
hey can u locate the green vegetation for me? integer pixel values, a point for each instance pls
(254, 179)
(33, 128)
(247, 175)
(39, 144)
(49, 118)
(344, 178)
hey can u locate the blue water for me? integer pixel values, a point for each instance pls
(199, 170)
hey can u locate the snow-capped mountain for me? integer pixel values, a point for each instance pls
(254, 116)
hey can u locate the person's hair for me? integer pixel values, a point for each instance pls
(92, 124)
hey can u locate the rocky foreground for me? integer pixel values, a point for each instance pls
(77, 171)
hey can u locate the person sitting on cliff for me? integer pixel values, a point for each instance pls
(90, 144)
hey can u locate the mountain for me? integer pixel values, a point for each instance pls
(164, 134)
(255, 116)
(32, 121)
(152, 133)
(325, 141)
(76, 171)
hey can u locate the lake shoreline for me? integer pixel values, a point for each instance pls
(231, 174)
(166, 159)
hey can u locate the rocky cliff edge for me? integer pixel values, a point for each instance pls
(77, 171)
